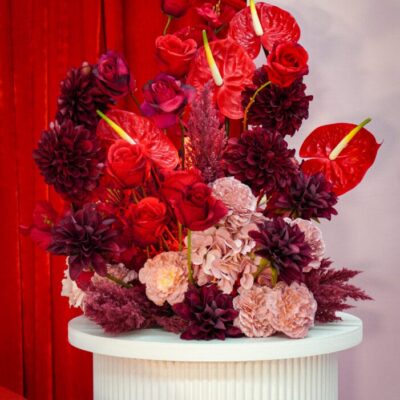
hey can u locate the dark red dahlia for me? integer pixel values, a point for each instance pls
(87, 238)
(284, 246)
(309, 196)
(331, 290)
(71, 159)
(80, 97)
(260, 159)
(281, 109)
(210, 314)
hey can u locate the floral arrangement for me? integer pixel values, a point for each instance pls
(192, 213)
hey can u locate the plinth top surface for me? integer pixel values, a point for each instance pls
(156, 344)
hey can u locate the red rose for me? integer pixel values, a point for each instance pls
(112, 73)
(195, 32)
(175, 54)
(175, 8)
(165, 97)
(148, 220)
(286, 63)
(191, 199)
(127, 163)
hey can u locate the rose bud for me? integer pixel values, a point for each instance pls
(286, 63)
(112, 73)
(192, 201)
(148, 220)
(175, 54)
(164, 99)
(127, 164)
(175, 8)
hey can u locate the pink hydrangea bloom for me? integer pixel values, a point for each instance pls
(291, 309)
(313, 236)
(165, 277)
(253, 312)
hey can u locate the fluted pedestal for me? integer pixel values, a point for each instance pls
(156, 365)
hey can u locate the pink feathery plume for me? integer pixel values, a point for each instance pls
(331, 290)
(207, 137)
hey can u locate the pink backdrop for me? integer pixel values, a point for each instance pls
(354, 50)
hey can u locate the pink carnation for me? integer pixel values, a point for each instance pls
(165, 277)
(313, 237)
(253, 313)
(291, 309)
(236, 195)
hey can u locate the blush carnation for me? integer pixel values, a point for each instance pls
(71, 290)
(237, 196)
(253, 312)
(291, 309)
(165, 277)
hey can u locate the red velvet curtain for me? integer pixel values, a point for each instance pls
(39, 41)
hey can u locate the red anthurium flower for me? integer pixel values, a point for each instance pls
(140, 130)
(236, 71)
(342, 152)
(275, 25)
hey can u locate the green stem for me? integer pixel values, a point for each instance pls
(189, 256)
(167, 25)
(251, 102)
(136, 101)
(118, 281)
(182, 144)
(180, 236)
(164, 242)
(227, 126)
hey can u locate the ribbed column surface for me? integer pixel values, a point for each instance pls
(309, 378)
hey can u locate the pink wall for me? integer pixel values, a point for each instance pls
(354, 46)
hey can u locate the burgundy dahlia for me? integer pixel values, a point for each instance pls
(80, 97)
(210, 314)
(71, 159)
(117, 309)
(309, 196)
(281, 109)
(261, 159)
(284, 246)
(87, 238)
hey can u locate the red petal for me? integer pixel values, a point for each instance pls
(155, 144)
(278, 26)
(236, 69)
(348, 169)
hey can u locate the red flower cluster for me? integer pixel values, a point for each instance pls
(133, 196)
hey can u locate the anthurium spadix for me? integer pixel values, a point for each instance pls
(262, 24)
(211, 61)
(342, 152)
(142, 131)
(258, 29)
(229, 67)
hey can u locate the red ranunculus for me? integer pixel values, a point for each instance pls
(286, 63)
(191, 199)
(175, 8)
(112, 73)
(148, 220)
(164, 99)
(127, 163)
(175, 54)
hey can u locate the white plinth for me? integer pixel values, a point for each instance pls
(156, 365)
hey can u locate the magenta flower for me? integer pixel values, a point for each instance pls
(164, 100)
(112, 73)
